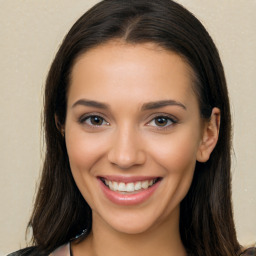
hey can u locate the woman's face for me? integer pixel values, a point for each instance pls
(133, 134)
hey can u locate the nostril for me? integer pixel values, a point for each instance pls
(123, 160)
(126, 152)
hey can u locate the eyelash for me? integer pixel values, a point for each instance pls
(83, 120)
(172, 121)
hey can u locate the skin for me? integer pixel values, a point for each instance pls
(129, 142)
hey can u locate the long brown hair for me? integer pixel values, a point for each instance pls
(206, 219)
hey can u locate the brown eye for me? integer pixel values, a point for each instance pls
(94, 121)
(161, 121)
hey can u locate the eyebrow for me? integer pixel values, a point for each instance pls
(91, 103)
(162, 103)
(146, 106)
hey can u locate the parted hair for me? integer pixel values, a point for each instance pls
(206, 219)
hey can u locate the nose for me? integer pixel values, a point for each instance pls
(126, 150)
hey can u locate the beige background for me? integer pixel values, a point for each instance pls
(30, 33)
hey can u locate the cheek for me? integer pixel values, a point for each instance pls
(176, 152)
(84, 149)
(84, 152)
(177, 157)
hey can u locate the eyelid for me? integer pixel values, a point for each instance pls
(170, 117)
(84, 117)
(163, 114)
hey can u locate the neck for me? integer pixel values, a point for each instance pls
(161, 240)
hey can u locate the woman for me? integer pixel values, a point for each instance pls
(137, 125)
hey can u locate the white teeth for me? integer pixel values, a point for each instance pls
(110, 185)
(121, 187)
(115, 186)
(129, 187)
(144, 184)
(137, 186)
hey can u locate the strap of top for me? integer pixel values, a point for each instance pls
(249, 252)
(63, 250)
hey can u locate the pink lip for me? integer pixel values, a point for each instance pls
(128, 199)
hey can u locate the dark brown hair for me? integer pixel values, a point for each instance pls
(206, 219)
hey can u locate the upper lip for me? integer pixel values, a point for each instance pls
(127, 179)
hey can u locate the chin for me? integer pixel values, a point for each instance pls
(133, 227)
(140, 221)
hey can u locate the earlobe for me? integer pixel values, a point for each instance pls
(209, 137)
(59, 126)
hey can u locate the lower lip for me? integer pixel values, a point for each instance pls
(128, 199)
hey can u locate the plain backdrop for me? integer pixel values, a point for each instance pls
(30, 34)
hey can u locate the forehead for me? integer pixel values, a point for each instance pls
(130, 69)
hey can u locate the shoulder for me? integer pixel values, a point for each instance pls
(249, 252)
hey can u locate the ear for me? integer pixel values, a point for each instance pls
(210, 136)
(59, 126)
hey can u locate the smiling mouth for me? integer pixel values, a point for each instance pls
(131, 187)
